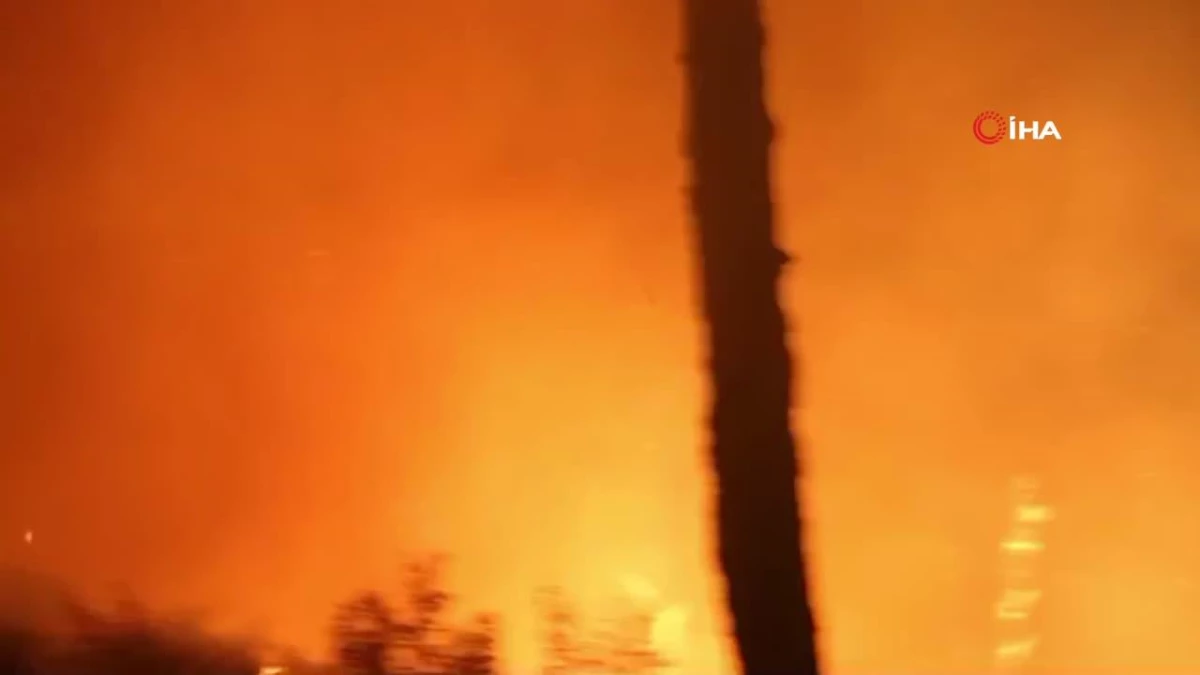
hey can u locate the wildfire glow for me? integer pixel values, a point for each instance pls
(669, 632)
(296, 292)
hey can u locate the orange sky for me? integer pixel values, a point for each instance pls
(293, 290)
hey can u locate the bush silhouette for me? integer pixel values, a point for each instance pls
(122, 643)
(415, 634)
(374, 637)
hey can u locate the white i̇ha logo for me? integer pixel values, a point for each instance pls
(990, 128)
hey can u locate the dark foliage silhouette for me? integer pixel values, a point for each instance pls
(473, 651)
(134, 643)
(20, 649)
(363, 631)
(46, 630)
(373, 637)
(752, 447)
(123, 643)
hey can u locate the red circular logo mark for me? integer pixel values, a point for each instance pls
(990, 118)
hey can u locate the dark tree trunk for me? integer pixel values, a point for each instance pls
(753, 451)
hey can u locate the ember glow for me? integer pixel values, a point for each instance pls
(293, 292)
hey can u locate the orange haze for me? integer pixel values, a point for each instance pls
(291, 290)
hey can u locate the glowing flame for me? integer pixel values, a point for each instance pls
(1039, 513)
(1016, 604)
(1016, 651)
(668, 629)
(1020, 596)
(1021, 545)
(669, 632)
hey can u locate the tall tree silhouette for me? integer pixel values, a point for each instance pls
(752, 447)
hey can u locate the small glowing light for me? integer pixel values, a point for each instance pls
(1034, 514)
(1021, 546)
(28, 536)
(669, 630)
(1017, 605)
(270, 670)
(1017, 649)
(1019, 600)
